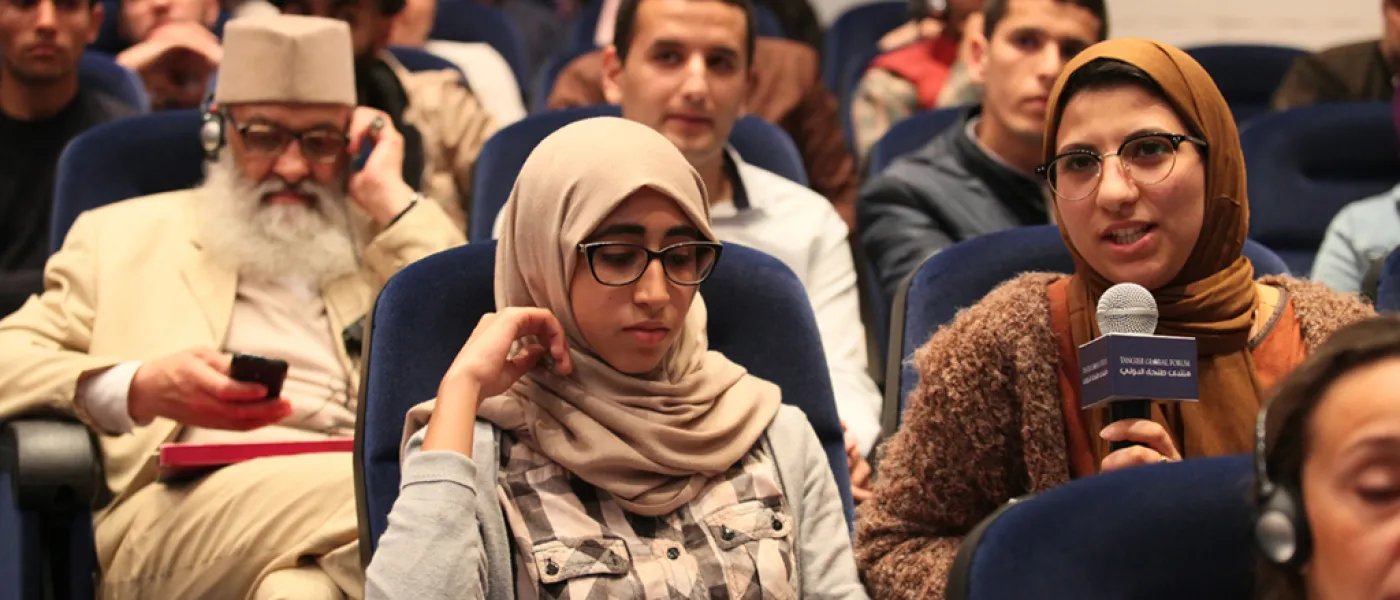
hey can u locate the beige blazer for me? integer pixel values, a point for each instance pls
(133, 282)
(454, 128)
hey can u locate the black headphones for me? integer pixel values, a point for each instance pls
(211, 128)
(1280, 526)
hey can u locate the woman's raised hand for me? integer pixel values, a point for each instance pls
(486, 362)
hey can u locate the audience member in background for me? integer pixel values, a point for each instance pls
(277, 253)
(1360, 237)
(926, 73)
(1363, 71)
(1330, 435)
(785, 88)
(442, 123)
(686, 73)
(42, 107)
(488, 74)
(977, 177)
(1145, 163)
(637, 463)
(171, 46)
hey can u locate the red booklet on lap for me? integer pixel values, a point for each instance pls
(178, 461)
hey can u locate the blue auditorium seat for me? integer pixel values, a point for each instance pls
(911, 134)
(852, 39)
(759, 142)
(1156, 532)
(960, 275)
(98, 71)
(133, 157)
(1388, 294)
(1307, 163)
(759, 317)
(1247, 74)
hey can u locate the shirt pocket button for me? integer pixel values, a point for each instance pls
(673, 554)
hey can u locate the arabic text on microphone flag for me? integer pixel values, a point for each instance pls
(1136, 367)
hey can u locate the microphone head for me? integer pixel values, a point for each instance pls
(1127, 308)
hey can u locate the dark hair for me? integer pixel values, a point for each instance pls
(1290, 410)
(388, 8)
(993, 11)
(625, 28)
(1106, 73)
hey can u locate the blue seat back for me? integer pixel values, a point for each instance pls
(468, 21)
(1307, 163)
(758, 141)
(960, 275)
(128, 158)
(1247, 74)
(1388, 294)
(911, 134)
(1159, 532)
(853, 38)
(759, 317)
(99, 71)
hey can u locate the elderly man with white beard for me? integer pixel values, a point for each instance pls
(278, 253)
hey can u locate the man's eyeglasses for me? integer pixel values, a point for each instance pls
(621, 263)
(1147, 158)
(318, 144)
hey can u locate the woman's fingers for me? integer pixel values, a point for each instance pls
(1145, 432)
(1131, 456)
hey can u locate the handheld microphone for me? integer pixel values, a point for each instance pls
(1127, 365)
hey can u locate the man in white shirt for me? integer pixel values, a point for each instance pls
(686, 72)
(278, 253)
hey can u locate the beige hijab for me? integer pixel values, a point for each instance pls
(653, 442)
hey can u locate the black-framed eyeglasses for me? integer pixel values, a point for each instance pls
(318, 144)
(1147, 158)
(621, 263)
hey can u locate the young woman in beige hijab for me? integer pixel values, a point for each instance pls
(585, 443)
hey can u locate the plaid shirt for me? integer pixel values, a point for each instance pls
(573, 540)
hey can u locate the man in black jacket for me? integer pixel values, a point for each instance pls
(977, 177)
(42, 107)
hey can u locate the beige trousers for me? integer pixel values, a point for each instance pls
(266, 529)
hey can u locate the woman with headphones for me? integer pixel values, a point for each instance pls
(1328, 471)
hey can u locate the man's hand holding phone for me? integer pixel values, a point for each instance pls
(377, 187)
(194, 387)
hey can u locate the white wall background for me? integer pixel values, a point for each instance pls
(1311, 24)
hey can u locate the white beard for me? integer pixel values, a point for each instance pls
(268, 242)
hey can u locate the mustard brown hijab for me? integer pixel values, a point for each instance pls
(651, 442)
(1213, 298)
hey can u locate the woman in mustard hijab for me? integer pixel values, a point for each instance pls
(1148, 181)
(586, 443)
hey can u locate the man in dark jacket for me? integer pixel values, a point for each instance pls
(977, 177)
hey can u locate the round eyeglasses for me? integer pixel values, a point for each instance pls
(621, 263)
(1146, 158)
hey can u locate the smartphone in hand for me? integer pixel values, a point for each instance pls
(270, 372)
(357, 162)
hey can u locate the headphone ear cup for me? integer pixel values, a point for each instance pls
(211, 134)
(1281, 529)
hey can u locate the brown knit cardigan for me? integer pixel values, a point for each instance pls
(984, 425)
